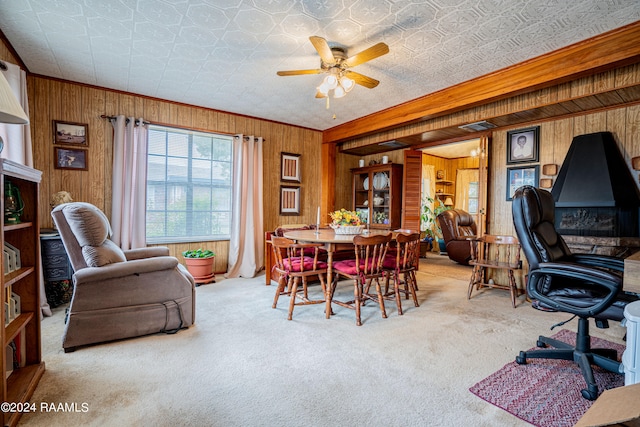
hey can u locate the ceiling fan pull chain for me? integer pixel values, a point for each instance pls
(328, 102)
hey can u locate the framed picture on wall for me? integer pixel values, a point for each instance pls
(519, 176)
(70, 158)
(70, 133)
(523, 145)
(290, 167)
(289, 200)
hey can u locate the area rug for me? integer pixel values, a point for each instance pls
(544, 392)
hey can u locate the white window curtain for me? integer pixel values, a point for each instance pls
(463, 178)
(246, 250)
(428, 186)
(17, 138)
(129, 188)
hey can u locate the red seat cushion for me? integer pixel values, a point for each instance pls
(312, 251)
(307, 263)
(348, 266)
(389, 262)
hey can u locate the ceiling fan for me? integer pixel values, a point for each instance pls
(335, 62)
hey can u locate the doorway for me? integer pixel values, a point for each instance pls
(455, 175)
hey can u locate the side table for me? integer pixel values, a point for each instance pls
(56, 268)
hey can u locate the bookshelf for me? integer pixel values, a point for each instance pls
(22, 356)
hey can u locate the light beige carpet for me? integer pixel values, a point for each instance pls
(244, 364)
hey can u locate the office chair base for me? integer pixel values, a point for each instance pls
(582, 354)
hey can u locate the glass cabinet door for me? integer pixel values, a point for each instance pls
(380, 198)
(362, 185)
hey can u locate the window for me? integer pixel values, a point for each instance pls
(188, 186)
(473, 197)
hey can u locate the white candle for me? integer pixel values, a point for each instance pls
(318, 220)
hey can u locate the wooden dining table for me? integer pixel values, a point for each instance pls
(331, 243)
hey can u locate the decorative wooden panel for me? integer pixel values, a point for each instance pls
(411, 191)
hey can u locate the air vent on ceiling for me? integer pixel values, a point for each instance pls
(478, 126)
(393, 144)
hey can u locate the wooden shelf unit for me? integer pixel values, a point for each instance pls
(444, 189)
(25, 282)
(381, 203)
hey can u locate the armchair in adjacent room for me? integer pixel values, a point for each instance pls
(119, 294)
(458, 230)
(585, 285)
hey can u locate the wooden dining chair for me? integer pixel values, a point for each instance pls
(495, 252)
(294, 267)
(366, 268)
(401, 267)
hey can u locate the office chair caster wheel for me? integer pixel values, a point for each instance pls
(589, 394)
(521, 359)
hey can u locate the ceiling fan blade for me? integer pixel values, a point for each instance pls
(299, 72)
(362, 80)
(323, 49)
(367, 54)
(320, 95)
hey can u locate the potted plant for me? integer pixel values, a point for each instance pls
(429, 211)
(200, 264)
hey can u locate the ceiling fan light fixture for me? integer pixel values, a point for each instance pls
(339, 92)
(323, 89)
(346, 83)
(331, 81)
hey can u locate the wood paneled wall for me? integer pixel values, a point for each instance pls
(6, 54)
(51, 99)
(555, 139)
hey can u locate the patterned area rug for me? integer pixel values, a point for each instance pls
(546, 393)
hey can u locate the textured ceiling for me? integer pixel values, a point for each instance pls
(224, 54)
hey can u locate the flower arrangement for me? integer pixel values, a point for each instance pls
(344, 217)
(346, 222)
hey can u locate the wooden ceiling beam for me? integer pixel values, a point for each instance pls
(604, 52)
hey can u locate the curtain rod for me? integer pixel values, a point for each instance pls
(111, 118)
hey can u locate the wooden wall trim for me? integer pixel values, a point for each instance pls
(604, 52)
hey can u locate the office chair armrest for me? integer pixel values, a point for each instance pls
(602, 261)
(608, 282)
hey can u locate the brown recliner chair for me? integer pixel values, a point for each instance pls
(457, 228)
(119, 294)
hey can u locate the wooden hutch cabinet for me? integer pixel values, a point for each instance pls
(22, 351)
(377, 195)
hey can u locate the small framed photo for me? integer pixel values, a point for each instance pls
(70, 158)
(289, 200)
(519, 176)
(70, 133)
(290, 167)
(523, 145)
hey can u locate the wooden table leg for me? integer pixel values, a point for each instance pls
(327, 294)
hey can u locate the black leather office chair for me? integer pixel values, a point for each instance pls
(586, 285)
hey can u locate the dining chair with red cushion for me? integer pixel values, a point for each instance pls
(293, 267)
(401, 267)
(366, 268)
